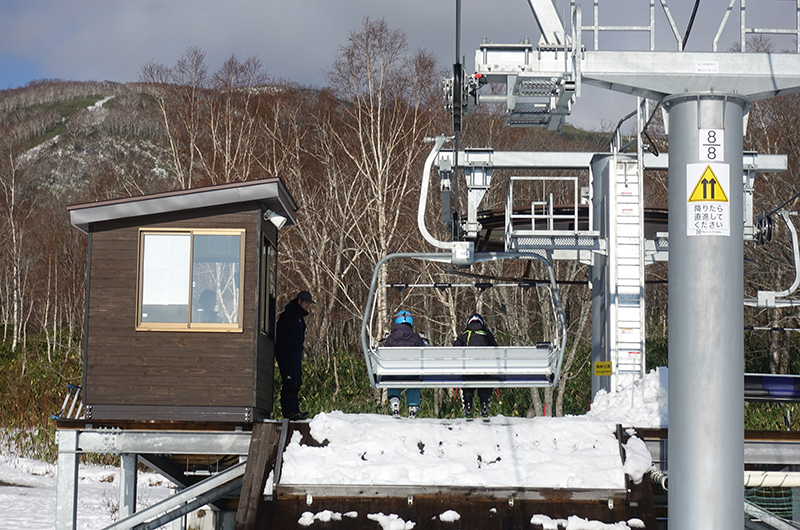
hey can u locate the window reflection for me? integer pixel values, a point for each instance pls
(215, 279)
(190, 269)
(165, 278)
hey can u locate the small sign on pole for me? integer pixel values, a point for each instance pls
(603, 368)
(708, 207)
(711, 145)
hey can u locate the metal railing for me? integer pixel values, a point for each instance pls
(596, 28)
(541, 211)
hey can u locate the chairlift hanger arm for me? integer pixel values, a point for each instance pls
(770, 299)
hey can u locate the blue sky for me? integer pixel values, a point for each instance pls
(296, 40)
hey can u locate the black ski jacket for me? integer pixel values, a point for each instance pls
(290, 332)
(475, 335)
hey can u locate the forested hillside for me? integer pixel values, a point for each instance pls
(351, 154)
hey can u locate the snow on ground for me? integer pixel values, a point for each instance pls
(571, 452)
(505, 452)
(28, 494)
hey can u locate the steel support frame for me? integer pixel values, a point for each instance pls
(127, 485)
(129, 444)
(67, 485)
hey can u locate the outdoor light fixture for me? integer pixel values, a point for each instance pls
(277, 220)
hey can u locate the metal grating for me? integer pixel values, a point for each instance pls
(537, 86)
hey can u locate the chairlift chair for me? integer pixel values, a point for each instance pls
(537, 365)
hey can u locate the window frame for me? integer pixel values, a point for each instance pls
(189, 326)
(268, 293)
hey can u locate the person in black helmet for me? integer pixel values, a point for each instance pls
(476, 334)
(290, 337)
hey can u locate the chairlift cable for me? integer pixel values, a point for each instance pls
(766, 328)
(510, 279)
(775, 210)
(530, 280)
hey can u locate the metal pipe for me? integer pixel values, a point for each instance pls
(752, 479)
(795, 253)
(768, 298)
(423, 194)
(706, 335)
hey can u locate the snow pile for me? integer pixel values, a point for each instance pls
(505, 452)
(577, 523)
(450, 516)
(637, 459)
(391, 521)
(325, 516)
(643, 404)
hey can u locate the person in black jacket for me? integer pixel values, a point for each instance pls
(403, 335)
(290, 337)
(476, 334)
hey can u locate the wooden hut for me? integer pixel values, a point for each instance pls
(181, 292)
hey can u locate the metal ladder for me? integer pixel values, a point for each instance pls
(72, 408)
(626, 262)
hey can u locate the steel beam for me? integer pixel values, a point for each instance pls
(184, 502)
(652, 74)
(565, 160)
(67, 487)
(127, 485)
(156, 442)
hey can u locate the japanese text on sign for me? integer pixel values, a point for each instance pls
(603, 368)
(707, 204)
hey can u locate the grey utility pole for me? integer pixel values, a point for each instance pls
(706, 96)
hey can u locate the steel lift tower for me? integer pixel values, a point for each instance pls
(705, 97)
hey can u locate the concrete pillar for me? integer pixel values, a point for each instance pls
(706, 336)
(67, 485)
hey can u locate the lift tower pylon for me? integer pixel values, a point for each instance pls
(706, 97)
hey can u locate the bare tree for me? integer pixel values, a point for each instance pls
(179, 94)
(16, 207)
(387, 91)
(234, 107)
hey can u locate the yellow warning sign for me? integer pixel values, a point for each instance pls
(708, 188)
(602, 368)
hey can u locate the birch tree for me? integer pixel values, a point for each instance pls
(388, 94)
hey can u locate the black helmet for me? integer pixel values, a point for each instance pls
(475, 317)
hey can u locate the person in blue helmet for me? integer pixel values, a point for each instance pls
(476, 334)
(403, 335)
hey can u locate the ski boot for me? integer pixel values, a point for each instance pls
(394, 406)
(468, 410)
(412, 411)
(485, 410)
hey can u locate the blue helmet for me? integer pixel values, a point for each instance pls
(404, 317)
